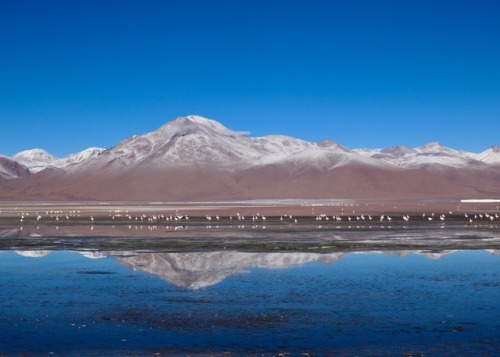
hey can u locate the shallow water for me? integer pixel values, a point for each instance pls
(131, 302)
(273, 235)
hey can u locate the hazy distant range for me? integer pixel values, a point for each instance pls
(197, 159)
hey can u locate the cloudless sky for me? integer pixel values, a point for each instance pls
(75, 74)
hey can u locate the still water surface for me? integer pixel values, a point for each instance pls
(244, 303)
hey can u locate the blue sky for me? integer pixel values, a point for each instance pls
(75, 74)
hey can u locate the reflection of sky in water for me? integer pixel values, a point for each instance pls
(348, 304)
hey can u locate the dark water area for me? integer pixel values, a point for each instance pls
(130, 302)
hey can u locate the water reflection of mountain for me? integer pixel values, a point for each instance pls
(196, 270)
(33, 253)
(201, 269)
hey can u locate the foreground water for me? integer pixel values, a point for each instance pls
(129, 302)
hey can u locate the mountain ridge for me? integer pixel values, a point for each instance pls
(192, 158)
(38, 159)
(267, 145)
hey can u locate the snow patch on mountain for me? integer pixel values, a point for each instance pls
(322, 159)
(79, 157)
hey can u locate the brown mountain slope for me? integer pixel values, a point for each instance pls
(196, 184)
(10, 169)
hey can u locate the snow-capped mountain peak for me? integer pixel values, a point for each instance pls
(35, 159)
(192, 124)
(490, 156)
(194, 141)
(34, 155)
(180, 142)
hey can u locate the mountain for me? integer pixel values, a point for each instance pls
(37, 160)
(193, 159)
(480, 171)
(195, 141)
(424, 156)
(10, 169)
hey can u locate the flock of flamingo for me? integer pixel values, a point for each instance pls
(177, 220)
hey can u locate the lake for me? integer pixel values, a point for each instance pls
(141, 302)
(145, 281)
